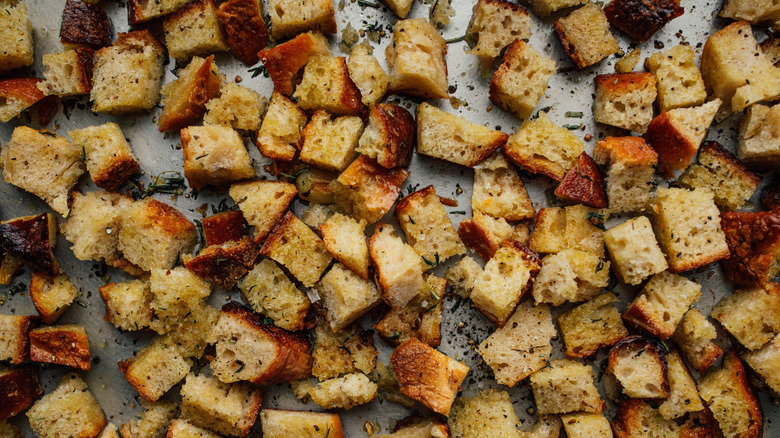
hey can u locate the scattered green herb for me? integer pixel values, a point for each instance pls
(574, 114)
(597, 219)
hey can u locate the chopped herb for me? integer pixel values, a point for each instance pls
(201, 156)
(574, 114)
(341, 347)
(268, 321)
(458, 303)
(612, 282)
(83, 156)
(456, 40)
(600, 266)
(49, 133)
(430, 263)
(259, 70)
(240, 368)
(596, 320)
(380, 397)
(369, 4)
(202, 236)
(458, 212)
(597, 219)
(572, 127)
(412, 220)
(411, 188)
(17, 288)
(549, 193)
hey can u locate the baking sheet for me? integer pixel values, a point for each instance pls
(463, 327)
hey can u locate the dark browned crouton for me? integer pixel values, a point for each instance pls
(62, 345)
(284, 61)
(641, 19)
(227, 263)
(583, 184)
(639, 365)
(224, 227)
(32, 239)
(754, 243)
(85, 24)
(390, 136)
(19, 388)
(244, 28)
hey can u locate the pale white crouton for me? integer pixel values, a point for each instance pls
(346, 296)
(634, 251)
(499, 191)
(70, 410)
(695, 337)
(751, 316)
(494, 25)
(237, 106)
(565, 386)
(625, 100)
(677, 77)
(68, 73)
(399, 267)
(683, 394)
(107, 155)
(631, 165)
(194, 30)
(638, 363)
(367, 74)
(661, 304)
(263, 203)
(759, 137)
(521, 80)
(229, 409)
(128, 305)
(269, 291)
(344, 392)
(570, 276)
(156, 368)
(214, 155)
(281, 129)
(345, 239)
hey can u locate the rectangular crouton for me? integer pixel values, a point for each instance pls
(68, 73)
(420, 318)
(85, 25)
(280, 132)
(283, 62)
(237, 107)
(583, 183)
(751, 316)
(225, 264)
(570, 276)
(184, 100)
(399, 267)
(591, 325)
(541, 146)
(334, 354)
(630, 163)
(639, 20)
(229, 409)
(94, 224)
(638, 363)
(19, 388)
(345, 239)
(695, 337)
(635, 418)
(283, 424)
(584, 425)
(488, 414)
(107, 155)
(346, 296)
(494, 25)
(156, 369)
(344, 392)
(390, 136)
(661, 304)
(139, 11)
(766, 363)
(270, 292)
(223, 227)
(19, 94)
(31, 239)
(759, 137)
(179, 428)
(16, 32)
(329, 142)
(214, 155)
(452, 138)
(153, 422)
(263, 203)
(754, 242)
(499, 192)
(565, 386)
(520, 81)
(366, 190)
(326, 85)
(634, 251)
(128, 305)
(14, 337)
(585, 35)
(625, 100)
(576, 227)
(677, 78)
(485, 234)
(51, 295)
(289, 18)
(194, 30)
(69, 410)
(366, 73)
(417, 60)
(295, 246)
(245, 30)
(683, 393)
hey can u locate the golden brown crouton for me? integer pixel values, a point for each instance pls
(284, 424)
(351, 350)
(225, 264)
(94, 224)
(51, 295)
(520, 81)
(284, 61)
(17, 34)
(270, 292)
(639, 365)
(156, 368)
(345, 239)
(683, 394)
(367, 74)
(585, 425)
(695, 337)
(280, 132)
(329, 142)
(179, 428)
(399, 267)
(661, 304)
(223, 227)
(570, 276)
(390, 136)
(494, 25)
(576, 227)
(194, 30)
(631, 166)
(641, 20)
(346, 296)
(263, 203)
(499, 192)
(32, 239)
(635, 418)
(326, 85)
(583, 184)
(565, 386)
(85, 24)
(139, 11)
(751, 316)
(625, 100)
(296, 247)
(69, 410)
(417, 60)
(15, 338)
(677, 77)
(485, 234)
(107, 155)
(237, 106)
(184, 100)
(591, 325)
(585, 35)
(366, 190)
(229, 409)
(759, 137)
(420, 318)
(244, 28)
(62, 345)
(765, 362)
(19, 388)
(153, 422)
(289, 18)
(68, 73)
(128, 305)
(541, 146)
(488, 414)
(343, 392)
(214, 155)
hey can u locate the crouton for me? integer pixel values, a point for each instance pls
(625, 100)
(128, 305)
(68, 73)
(565, 386)
(570, 276)
(19, 388)
(31, 239)
(759, 137)
(484, 234)
(694, 336)
(677, 77)
(488, 414)
(214, 155)
(541, 146)
(69, 410)
(229, 409)
(634, 251)
(282, 424)
(366, 190)
(269, 291)
(584, 425)
(591, 325)
(326, 85)
(344, 238)
(237, 107)
(94, 224)
(184, 100)
(754, 243)
(755, 12)
(280, 131)
(367, 75)
(154, 235)
(390, 136)
(225, 264)
(736, 71)
(631, 166)
(521, 80)
(751, 316)
(345, 296)
(399, 267)
(428, 376)
(107, 155)
(420, 318)
(44, 164)
(316, 215)
(731, 399)
(17, 36)
(641, 20)
(263, 203)
(635, 418)
(14, 337)
(417, 60)
(585, 35)
(223, 227)
(289, 18)
(193, 30)
(156, 368)
(452, 138)
(51, 295)
(765, 361)
(494, 25)
(127, 76)
(639, 365)
(334, 354)
(245, 30)
(295, 246)
(329, 142)
(344, 392)
(661, 304)
(284, 61)
(178, 298)
(139, 11)
(583, 183)
(499, 191)
(153, 422)
(19, 94)
(576, 227)
(683, 394)
(179, 428)
(504, 281)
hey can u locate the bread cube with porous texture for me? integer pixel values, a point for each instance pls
(366, 73)
(584, 425)
(583, 183)
(30, 240)
(428, 376)
(228, 409)
(661, 304)
(344, 392)
(326, 85)
(490, 413)
(19, 388)
(51, 295)
(366, 190)
(283, 424)
(759, 137)
(574, 227)
(214, 155)
(194, 30)
(225, 264)
(154, 421)
(128, 305)
(345, 239)
(15, 337)
(591, 325)
(634, 251)
(329, 142)
(399, 267)
(184, 100)
(44, 164)
(417, 60)
(289, 18)
(630, 166)
(570, 276)
(156, 368)
(543, 8)
(284, 61)
(541, 146)
(85, 25)
(390, 136)
(754, 242)
(522, 346)
(462, 276)
(695, 337)
(68, 411)
(586, 37)
(452, 138)
(349, 351)
(751, 316)
(263, 203)
(625, 100)
(521, 80)
(68, 73)
(565, 386)
(270, 292)
(128, 75)
(19, 94)
(420, 318)
(245, 29)
(641, 20)
(280, 131)
(16, 32)
(295, 246)
(139, 11)
(223, 227)
(677, 77)
(499, 191)
(107, 155)
(94, 224)
(179, 428)
(639, 365)
(683, 394)
(485, 234)
(346, 296)
(766, 363)
(494, 25)
(237, 107)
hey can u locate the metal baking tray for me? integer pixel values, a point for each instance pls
(463, 327)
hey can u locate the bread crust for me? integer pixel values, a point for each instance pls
(19, 388)
(737, 381)
(641, 19)
(61, 345)
(85, 24)
(244, 28)
(284, 61)
(224, 227)
(478, 238)
(754, 242)
(225, 264)
(24, 89)
(117, 173)
(675, 151)
(399, 133)
(30, 238)
(583, 184)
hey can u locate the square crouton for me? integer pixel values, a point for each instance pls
(399, 267)
(634, 251)
(214, 155)
(225, 264)
(640, 21)
(390, 136)
(343, 392)
(282, 424)
(736, 71)
(69, 410)
(349, 351)
(625, 100)
(280, 132)
(329, 142)
(766, 363)
(30, 240)
(499, 192)
(570, 276)
(128, 75)
(754, 12)
(485, 234)
(494, 25)
(270, 292)
(194, 30)
(428, 376)
(85, 25)
(677, 77)
(452, 138)
(179, 428)
(156, 369)
(326, 85)
(229, 409)
(585, 36)
(295, 246)
(683, 394)
(732, 401)
(541, 146)
(283, 62)
(107, 155)
(263, 203)
(521, 80)
(417, 60)
(44, 164)
(139, 11)
(367, 74)
(16, 32)
(574, 227)
(754, 243)
(630, 168)
(346, 296)
(289, 18)
(583, 184)
(68, 73)
(15, 338)
(184, 100)
(223, 227)
(176, 291)
(19, 94)
(245, 30)
(366, 190)
(591, 325)
(717, 168)
(661, 304)
(565, 386)
(237, 107)
(420, 318)
(62, 345)
(489, 413)
(345, 239)
(695, 336)
(153, 422)
(19, 388)
(522, 346)
(688, 227)
(584, 425)
(504, 281)
(51, 295)
(638, 363)
(751, 316)
(128, 305)
(759, 137)
(94, 224)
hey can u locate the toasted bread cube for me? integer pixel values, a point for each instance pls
(282, 424)
(570, 276)
(346, 296)
(295, 246)
(634, 251)
(366, 190)
(184, 100)
(156, 368)
(754, 12)
(326, 85)
(31, 240)
(452, 138)
(94, 224)
(565, 386)
(68, 73)
(70, 410)
(417, 60)
(639, 365)
(153, 422)
(591, 325)
(154, 235)
(759, 137)
(43, 164)
(543, 8)
(223, 227)
(677, 77)
(128, 305)
(281, 129)
(194, 30)
(576, 227)
(585, 36)
(176, 291)
(683, 394)
(399, 267)
(214, 155)
(110, 431)
(751, 316)
(428, 376)
(140, 11)
(367, 75)
(766, 363)
(245, 30)
(541, 146)
(504, 281)
(522, 346)
(284, 61)
(225, 264)
(521, 80)
(754, 243)
(494, 25)
(583, 183)
(344, 392)
(731, 399)
(128, 75)
(631, 166)
(85, 25)
(18, 94)
(625, 100)
(420, 318)
(268, 290)
(16, 32)
(584, 425)
(661, 304)
(51, 295)
(345, 239)
(263, 203)
(229, 409)
(329, 142)
(640, 21)
(390, 136)
(488, 414)
(348, 351)
(485, 234)
(695, 337)
(237, 107)
(19, 388)
(415, 426)
(108, 157)
(499, 191)
(179, 428)
(289, 18)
